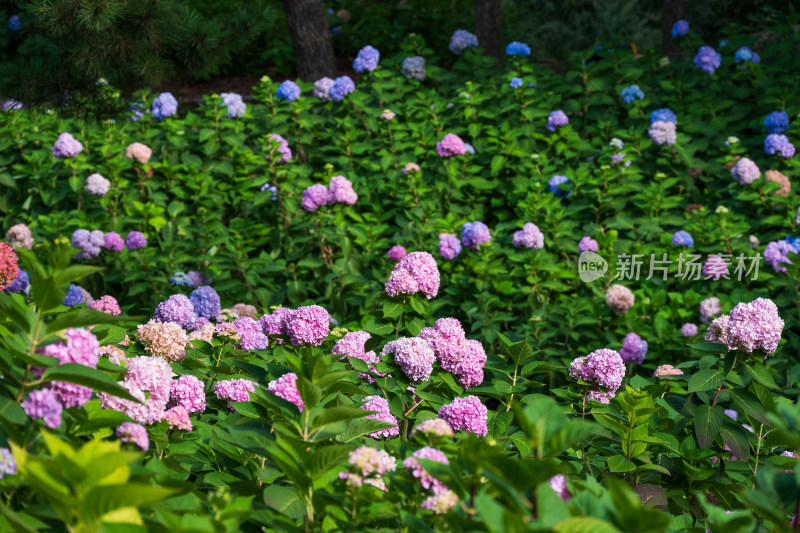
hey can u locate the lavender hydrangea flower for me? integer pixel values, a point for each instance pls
(433, 428)
(314, 197)
(517, 48)
(90, 243)
(755, 326)
(707, 59)
(557, 119)
(113, 241)
(777, 253)
(629, 94)
(708, 308)
(473, 234)
(561, 186)
(396, 253)
(449, 246)
(529, 237)
(414, 356)
(461, 40)
(20, 283)
(416, 272)
(414, 68)
(234, 390)
(663, 115)
(285, 387)
(97, 185)
(662, 133)
(633, 349)
(251, 337)
(206, 302)
(165, 105)
(367, 59)
(381, 408)
(135, 240)
(682, 238)
(620, 299)
(322, 88)
(745, 171)
(135, 434)
(604, 367)
(342, 86)
(288, 90)
(341, 191)
(776, 143)
(278, 149)
(66, 146)
(450, 145)
(777, 122)
(689, 329)
(587, 244)
(466, 414)
(308, 325)
(44, 404)
(178, 309)
(235, 104)
(679, 29)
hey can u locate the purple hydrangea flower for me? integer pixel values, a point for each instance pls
(529, 237)
(20, 283)
(113, 241)
(709, 308)
(235, 104)
(44, 404)
(414, 356)
(450, 145)
(707, 59)
(777, 253)
(288, 90)
(777, 122)
(473, 234)
(604, 367)
(149, 380)
(744, 54)
(416, 272)
(314, 197)
(342, 86)
(461, 40)
(381, 408)
(414, 68)
(165, 105)
(559, 485)
(755, 326)
(90, 243)
(278, 149)
(352, 345)
(251, 336)
(206, 302)
(682, 238)
(234, 390)
(322, 88)
(448, 341)
(633, 349)
(308, 326)
(449, 246)
(396, 253)
(517, 48)
(367, 59)
(66, 146)
(285, 387)
(680, 28)
(745, 171)
(135, 434)
(135, 240)
(587, 244)
(469, 370)
(689, 330)
(341, 191)
(178, 309)
(557, 119)
(776, 143)
(467, 414)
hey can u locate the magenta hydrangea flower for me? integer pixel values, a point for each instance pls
(188, 392)
(620, 299)
(308, 326)
(715, 267)
(414, 356)
(106, 304)
(433, 428)
(449, 342)
(286, 387)
(113, 241)
(529, 237)
(556, 120)
(469, 370)
(81, 347)
(66, 146)
(251, 336)
(559, 485)
(587, 244)
(177, 309)
(234, 390)
(135, 434)
(689, 329)
(178, 417)
(667, 370)
(44, 404)
(466, 414)
(604, 367)
(275, 323)
(278, 149)
(451, 145)
(633, 349)
(449, 246)
(708, 308)
(416, 272)
(427, 480)
(314, 197)
(396, 253)
(755, 326)
(149, 380)
(745, 171)
(381, 408)
(341, 191)
(352, 345)
(473, 234)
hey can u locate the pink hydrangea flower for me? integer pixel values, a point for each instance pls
(414, 356)
(106, 304)
(467, 414)
(427, 480)
(708, 308)
(604, 367)
(440, 503)
(341, 191)
(134, 434)
(139, 152)
(286, 387)
(396, 253)
(308, 326)
(188, 392)
(620, 299)
(416, 272)
(163, 339)
(755, 326)
(178, 417)
(352, 345)
(559, 485)
(149, 380)
(381, 406)
(234, 390)
(667, 370)
(451, 145)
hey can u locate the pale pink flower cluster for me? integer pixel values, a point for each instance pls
(163, 339)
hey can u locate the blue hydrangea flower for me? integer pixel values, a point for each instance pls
(629, 94)
(206, 302)
(776, 143)
(288, 90)
(707, 59)
(747, 55)
(272, 189)
(414, 68)
(518, 49)
(136, 111)
(663, 115)
(515, 83)
(165, 105)
(794, 242)
(777, 122)
(469, 148)
(561, 186)
(367, 59)
(19, 284)
(723, 43)
(14, 24)
(680, 28)
(461, 40)
(74, 296)
(682, 238)
(181, 279)
(342, 86)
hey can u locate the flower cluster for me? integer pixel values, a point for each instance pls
(322, 88)
(165, 105)
(680, 28)
(352, 345)
(517, 48)
(135, 240)
(707, 59)
(140, 152)
(620, 299)
(285, 387)
(234, 390)
(314, 197)
(777, 122)
(461, 40)
(662, 133)
(149, 380)
(188, 392)
(775, 176)
(97, 185)
(556, 119)
(682, 238)
(427, 480)
(744, 54)
(278, 149)
(416, 272)
(433, 428)
(464, 358)
(178, 309)
(663, 115)
(234, 103)
(689, 329)
(708, 308)
(19, 236)
(450, 145)
(66, 146)
(135, 434)
(381, 408)
(561, 186)
(466, 414)
(473, 234)
(367, 59)
(634, 349)
(629, 94)
(206, 302)
(777, 143)
(449, 246)
(8, 265)
(755, 326)
(342, 86)
(369, 465)
(587, 244)
(106, 304)
(715, 267)
(90, 243)
(414, 68)
(529, 237)
(396, 253)
(414, 356)
(602, 367)
(163, 339)
(667, 370)
(20, 284)
(777, 254)
(288, 90)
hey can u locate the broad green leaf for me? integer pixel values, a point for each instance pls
(705, 380)
(707, 423)
(88, 377)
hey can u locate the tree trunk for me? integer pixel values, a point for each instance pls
(487, 26)
(311, 38)
(673, 12)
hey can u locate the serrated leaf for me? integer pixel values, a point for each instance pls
(618, 463)
(707, 423)
(705, 380)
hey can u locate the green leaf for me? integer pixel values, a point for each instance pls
(337, 414)
(88, 377)
(748, 404)
(285, 500)
(376, 328)
(710, 347)
(392, 309)
(362, 426)
(736, 439)
(103, 499)
(584, 524)
(705, 380)
(707, 423)
(760, 373)
(83, 317)
(309, 392)
(618, 463)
